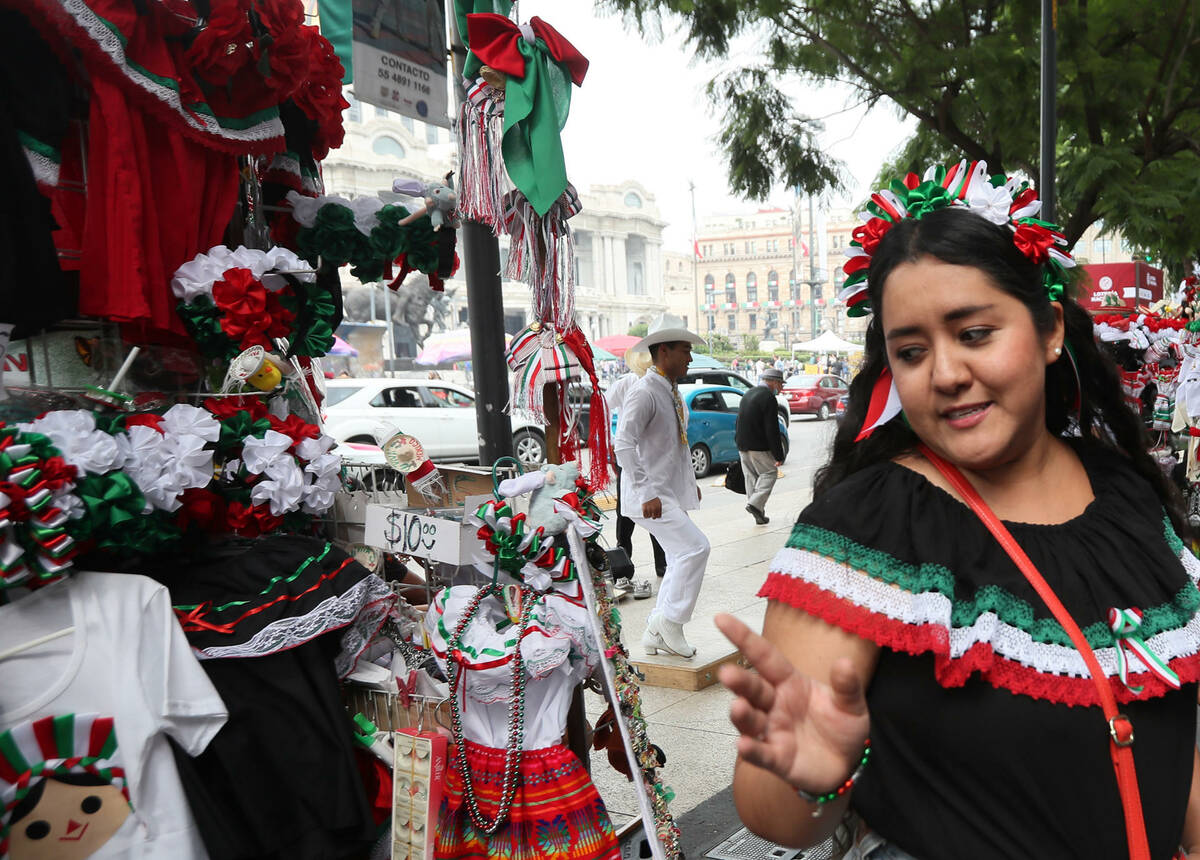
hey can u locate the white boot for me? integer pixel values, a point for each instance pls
(666, 636)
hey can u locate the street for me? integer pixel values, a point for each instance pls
(693, 728)
(810, 443)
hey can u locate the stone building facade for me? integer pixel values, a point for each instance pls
(619, 266)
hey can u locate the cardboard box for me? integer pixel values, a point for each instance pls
(418, 780)
(461, 482)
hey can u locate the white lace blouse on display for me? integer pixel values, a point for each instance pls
(557, 650)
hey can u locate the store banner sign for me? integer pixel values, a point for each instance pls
(399, 54)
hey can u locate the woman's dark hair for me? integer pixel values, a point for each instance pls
(963, 238)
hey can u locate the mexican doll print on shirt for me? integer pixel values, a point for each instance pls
(62, 788)
(86, 711)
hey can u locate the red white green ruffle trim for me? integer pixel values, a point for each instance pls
(259, 132)
(908, 608)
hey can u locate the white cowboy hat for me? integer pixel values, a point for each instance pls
(666, 328)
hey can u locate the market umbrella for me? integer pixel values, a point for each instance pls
(601, 354)
(446, 346)
(827, 342)
(340, 347)
(616, 343)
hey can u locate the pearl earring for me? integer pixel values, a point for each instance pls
(1058, 350)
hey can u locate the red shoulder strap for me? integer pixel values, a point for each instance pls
(1120, 729)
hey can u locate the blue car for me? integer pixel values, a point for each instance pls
(713, 417)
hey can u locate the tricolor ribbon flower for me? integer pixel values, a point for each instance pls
(1125, 624)
(999, 199)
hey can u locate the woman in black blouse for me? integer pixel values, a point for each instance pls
(894, 615)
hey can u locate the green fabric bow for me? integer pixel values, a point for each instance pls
(535, 112)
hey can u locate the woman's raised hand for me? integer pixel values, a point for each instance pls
(806, 732)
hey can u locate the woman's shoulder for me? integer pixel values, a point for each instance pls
(875, 506)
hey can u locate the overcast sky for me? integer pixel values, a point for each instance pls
(642, 114)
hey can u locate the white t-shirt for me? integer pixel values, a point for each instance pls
(127, 659)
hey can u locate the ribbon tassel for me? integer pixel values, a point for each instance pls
(883, 406)
(1125, 624)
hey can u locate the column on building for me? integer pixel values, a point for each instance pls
(620, 270)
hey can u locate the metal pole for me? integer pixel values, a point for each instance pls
(389, 354)
(1049, 121)
(695, 263)
(795, 279)
(814, 288)
(485, 301)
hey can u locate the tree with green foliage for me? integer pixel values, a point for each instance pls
(720, 343)
(750, 343)
(638, 329)
(1128, 96)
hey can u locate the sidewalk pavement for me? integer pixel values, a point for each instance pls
(693, 728)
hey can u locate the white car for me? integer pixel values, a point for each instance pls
(440, 414)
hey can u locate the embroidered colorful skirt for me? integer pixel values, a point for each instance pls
(556, 813)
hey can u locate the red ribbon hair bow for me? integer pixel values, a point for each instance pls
(493, 38)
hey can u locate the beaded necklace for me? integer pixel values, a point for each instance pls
(516, 713)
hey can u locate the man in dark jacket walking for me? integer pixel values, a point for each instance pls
(760, 442)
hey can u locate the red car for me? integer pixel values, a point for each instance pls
(814, 394)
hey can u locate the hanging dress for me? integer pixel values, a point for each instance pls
(556, 811)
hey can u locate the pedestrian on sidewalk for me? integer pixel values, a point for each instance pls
(910, 674)
(760, 442)
(615, 396)
(658, 485)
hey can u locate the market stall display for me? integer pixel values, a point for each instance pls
(271, 645)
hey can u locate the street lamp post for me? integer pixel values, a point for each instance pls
(814, 286)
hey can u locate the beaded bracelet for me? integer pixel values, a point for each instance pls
(821, 799)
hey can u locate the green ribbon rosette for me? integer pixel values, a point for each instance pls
(115, 516)
(333, 237)
(202, 319)
(238, 426)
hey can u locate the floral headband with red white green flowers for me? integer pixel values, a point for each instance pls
(1002, 200)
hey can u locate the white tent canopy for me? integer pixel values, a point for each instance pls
(827, 342)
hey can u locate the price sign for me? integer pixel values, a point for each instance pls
(415, 534)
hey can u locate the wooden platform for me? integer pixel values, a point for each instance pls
(680, 674)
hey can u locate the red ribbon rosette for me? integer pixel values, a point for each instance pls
(222, 48)
(295, 427)
(1034, 241)
(243, 301)
(251, 520)
(224, 408)
(870, 233)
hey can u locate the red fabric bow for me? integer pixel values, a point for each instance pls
(406, 689)
(144, 419)
(202, 508)
(869, 234)
(1034, 241)
(243, 302)
(251, 520)
(493, 38)
(224, 408)
(294, 427)
(56, 472)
